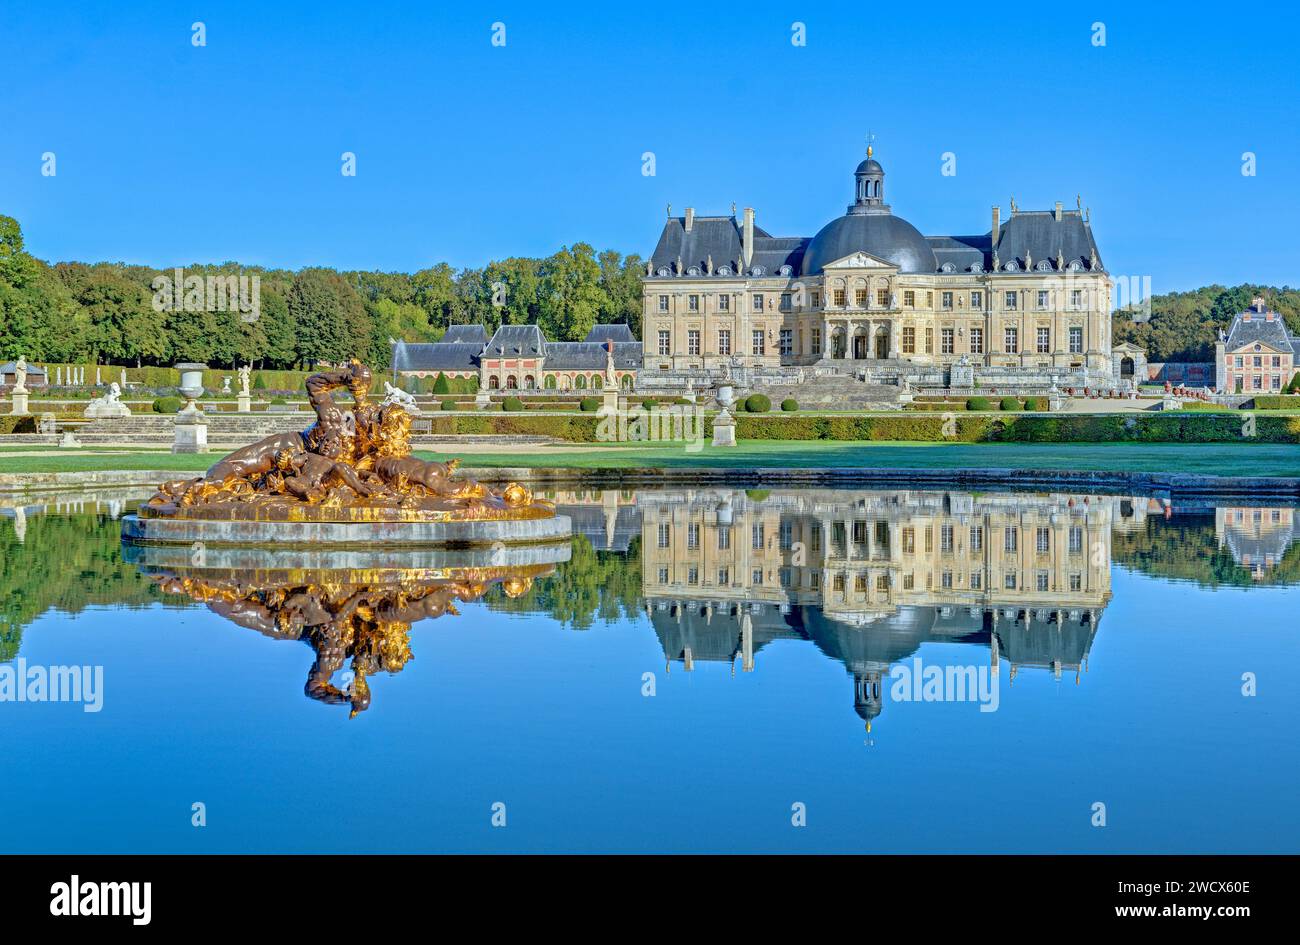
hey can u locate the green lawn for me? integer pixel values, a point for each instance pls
(1224, 459)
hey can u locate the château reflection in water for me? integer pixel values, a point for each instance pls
(868, 577)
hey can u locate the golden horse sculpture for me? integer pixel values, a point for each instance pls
(349, 466)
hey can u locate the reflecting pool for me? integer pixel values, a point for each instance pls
(697, 670)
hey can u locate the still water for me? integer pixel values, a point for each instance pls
(698, 670)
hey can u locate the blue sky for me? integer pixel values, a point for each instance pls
(168, 154)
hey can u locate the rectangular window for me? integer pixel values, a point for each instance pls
(1076, 340)
(977, 301)
(1076, 298)
(1042, 298)
(787, 342)
(977, 341)
(860, 298)
(1011, 340)
(1277, 360)
(816, 341)
(785, 301)
(665, 534)
(1076, 582)
(663, 303)
(760, 346)
(1009, 301)
(693, 303)
(909, 340)
(758, 577)
(1076, 540)
(909, 298)
(756, 536)
(945, 341)
(1277, 382)
(945, 300)
(1009, 582)
(724, 538)
(1257, 382)
(945, 539)
(1042, 540)
(724, 341)
(839, 297)
(692, 575)
(724, 577)
(1240, 362)
(976, 539)
(816, 299)
(1042, 579)
(724, 303)
(693, 341)
(1044, 341)
(693, 535)
(665, 342)
(663, 575)
(1010, 539)
(882, 297)
(929, 341)
(758, 301)
(976, 580)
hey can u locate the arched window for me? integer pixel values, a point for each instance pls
(626, 382)
(581, 382)
(549, 382)
(597, 382)
(493, 383)
(512, 383)
(565, 382)
(530, 383)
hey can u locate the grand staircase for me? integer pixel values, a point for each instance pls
(837, 392)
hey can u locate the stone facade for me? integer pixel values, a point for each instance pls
(1028, 303)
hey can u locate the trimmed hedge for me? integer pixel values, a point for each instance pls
(1277, 402)
(168, 405)
(1171, 427)
(449, 404)
(758, 403)
(1009, 404)
(589, 404)
(978, 403)
(789, 405)
(512, 405)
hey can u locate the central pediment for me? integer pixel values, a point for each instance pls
(860, 260)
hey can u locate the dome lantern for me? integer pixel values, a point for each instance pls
(869, 193)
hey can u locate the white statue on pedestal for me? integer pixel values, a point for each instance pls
(395, 395)
(108, 406)
(20, 375)
(244, 373)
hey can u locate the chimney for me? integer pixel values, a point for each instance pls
(1058, 211)
(690, 218)
(747, 237)
(1257, 303)
(997, 223)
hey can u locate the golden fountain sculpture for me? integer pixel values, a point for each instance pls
(352, 467)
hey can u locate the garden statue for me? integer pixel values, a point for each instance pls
(108, 406)
(395, 395)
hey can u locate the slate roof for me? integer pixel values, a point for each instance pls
(610, 333)
(516, 341)
(439, 356)
(590, 355)
(1249, 328)
(11, 367)
(466, 334)
(1033, 235)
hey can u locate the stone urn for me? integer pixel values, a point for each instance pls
(191, 385)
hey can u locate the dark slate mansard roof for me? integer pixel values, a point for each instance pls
(610, 333)
(719, 238)
(1268, 331)
(465, 334)
(438, 356)
(516, 341)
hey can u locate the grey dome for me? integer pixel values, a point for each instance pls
(881, 234)
(870, 166)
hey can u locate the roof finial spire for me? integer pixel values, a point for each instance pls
(870, 139)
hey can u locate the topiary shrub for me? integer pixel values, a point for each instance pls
(259, 382)
(789, 405)
(649, 403)
(168, 405)
(758, 403)
(978, 403)
(1009, 403)
(589, 404)
(1035, 403)
(512, 405)
(449, 404)
(441, 385)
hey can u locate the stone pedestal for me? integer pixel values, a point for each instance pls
(20, 403)
(69, 441)
(191, 433)
(609, 399)
(724, 429)
(245, 404)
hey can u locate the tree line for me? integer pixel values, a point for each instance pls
(105, 312)
(1185, 325)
